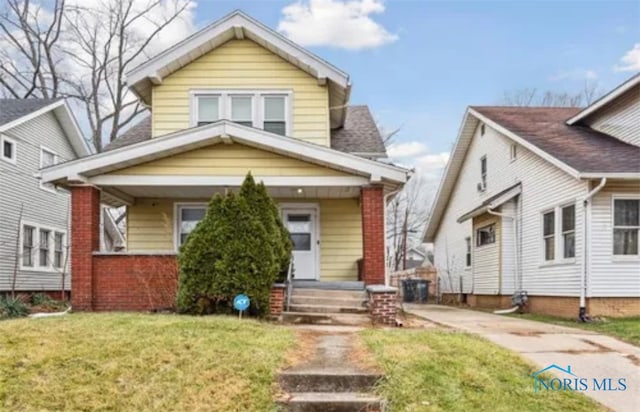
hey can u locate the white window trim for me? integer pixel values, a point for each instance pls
(558, 250)
(177, 206)
(36, 246)
(13, 159)
(513, 152)
(55, 162)
(257, 106)
(614, 197)
(476, 238)
(562, 232)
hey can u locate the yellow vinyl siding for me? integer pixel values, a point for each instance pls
(242, 64)
(229, 160)
(150, 225)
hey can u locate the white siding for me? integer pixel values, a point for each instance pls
(508, 282)
(486, 265)
(611, 275)
(543, 186)
(621, 118)
(18, 186)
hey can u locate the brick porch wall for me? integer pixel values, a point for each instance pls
(85, 239)
(372, 205)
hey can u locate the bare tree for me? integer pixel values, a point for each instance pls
(533, 97)
(82, 51)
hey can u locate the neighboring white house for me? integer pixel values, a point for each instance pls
(34, 217)
(524, 188)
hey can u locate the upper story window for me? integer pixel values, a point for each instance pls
(486, 235)
(513, 152)
(482, 186)
(267, 110)
(47, 158)
(626, 225)
(7, 149)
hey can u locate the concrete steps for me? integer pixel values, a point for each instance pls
(332, 402)
(328, 380)
(319, 318)
(301, 299)
(313, 308)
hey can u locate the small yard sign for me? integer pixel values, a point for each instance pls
(241, 303)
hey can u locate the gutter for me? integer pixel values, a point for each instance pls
(582, 314)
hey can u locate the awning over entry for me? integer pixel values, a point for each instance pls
(493, 202)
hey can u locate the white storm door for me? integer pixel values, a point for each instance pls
(302, 227)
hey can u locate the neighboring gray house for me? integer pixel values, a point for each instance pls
(544, 201)
(34, 222)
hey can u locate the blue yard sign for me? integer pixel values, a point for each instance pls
(241, 303)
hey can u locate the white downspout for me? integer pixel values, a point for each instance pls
(585, 249)
(386, 200)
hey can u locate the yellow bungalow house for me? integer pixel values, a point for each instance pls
(232, 98)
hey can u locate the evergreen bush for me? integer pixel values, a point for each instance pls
(241, 246)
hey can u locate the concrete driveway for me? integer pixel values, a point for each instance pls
(590, 355)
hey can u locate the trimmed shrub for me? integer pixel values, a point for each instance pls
(229, 252)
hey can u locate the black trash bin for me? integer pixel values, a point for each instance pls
(415, 290)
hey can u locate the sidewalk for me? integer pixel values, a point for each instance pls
(591, 355)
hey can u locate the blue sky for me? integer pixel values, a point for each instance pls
(441, 56)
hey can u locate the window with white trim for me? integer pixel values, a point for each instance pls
(549, 235)
(58, 250)
(468, 252)
(267, 110)
(43, 255)
(188, 218)
(47, 158)
(28, 243)
(626, 225)
(486, 235)
(569, 231)
(8, 149)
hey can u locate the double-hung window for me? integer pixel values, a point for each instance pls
(188, 218)
(626, 225)
(569, 231)
(28, 243)
(207, 109)
(7, 149)
(58, 250)
(268, 110)
(43, 258)
(549, 235)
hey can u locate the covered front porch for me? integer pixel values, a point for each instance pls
(333, 204)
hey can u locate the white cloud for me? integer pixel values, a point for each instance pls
(577, 74)
(336, 23)
(404, 150)
(630, 62)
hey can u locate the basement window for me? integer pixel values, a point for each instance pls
(626, 225)
(486, 235)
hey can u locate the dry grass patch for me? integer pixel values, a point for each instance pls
(140, 362)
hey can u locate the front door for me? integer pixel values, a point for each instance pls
(302, 226)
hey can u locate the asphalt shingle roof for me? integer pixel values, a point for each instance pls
(582, 148)
(13, 109)
(359, 134)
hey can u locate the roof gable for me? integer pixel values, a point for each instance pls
(238, 25)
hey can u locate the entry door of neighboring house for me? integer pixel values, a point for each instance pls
(302, 223)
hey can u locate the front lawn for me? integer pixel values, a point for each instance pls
(627, 329)
(453, 371)
(140, 362)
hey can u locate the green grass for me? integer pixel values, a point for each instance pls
(627, 329)
(139, 362)
(452, 371)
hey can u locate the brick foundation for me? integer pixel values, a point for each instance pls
(489, 301)
(383, 304)
(372, 205)
(276, 300)
(613, 307)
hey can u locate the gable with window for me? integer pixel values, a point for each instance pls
(626, 226)
(267, 110)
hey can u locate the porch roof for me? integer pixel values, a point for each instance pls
(494, 201)
(96, 169)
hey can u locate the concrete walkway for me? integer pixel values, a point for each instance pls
(591, 355)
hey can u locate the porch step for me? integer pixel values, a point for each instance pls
(301, 299)
(330, 285)
(327, 308)
(328, 380)
(324, 293)
(315, 318)
(333, 402)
